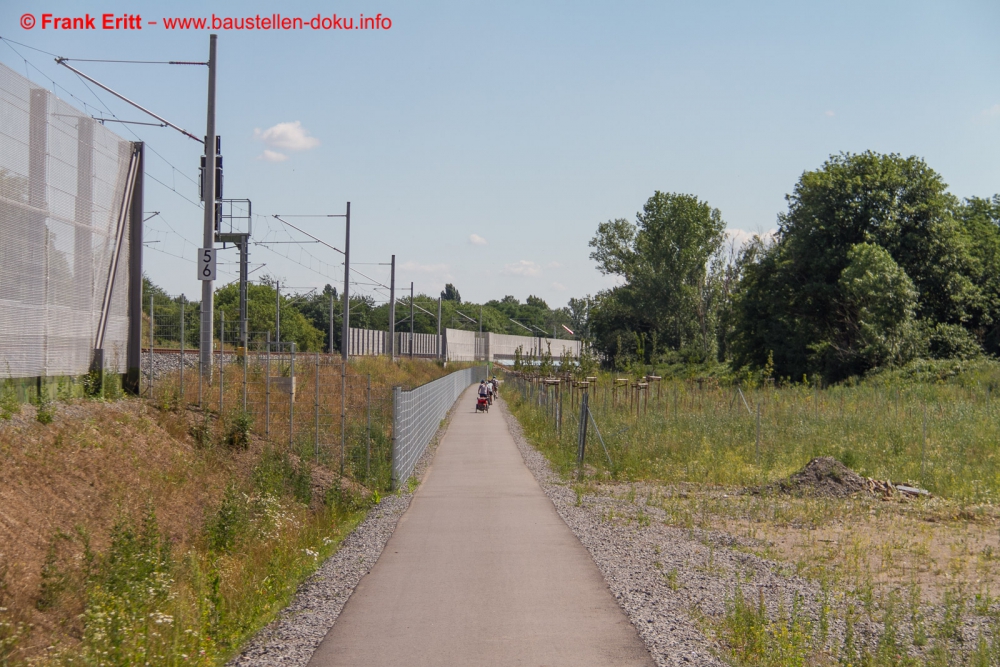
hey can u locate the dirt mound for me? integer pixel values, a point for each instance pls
(824, 476)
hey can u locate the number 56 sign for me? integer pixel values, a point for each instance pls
(206, 264)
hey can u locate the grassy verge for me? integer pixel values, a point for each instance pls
(899, 583)
(148, 532)
(934, 427)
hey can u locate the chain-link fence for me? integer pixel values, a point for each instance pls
(64, 235)
(308, 402)
(417, 415)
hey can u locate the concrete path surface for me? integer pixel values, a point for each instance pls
(482, 571)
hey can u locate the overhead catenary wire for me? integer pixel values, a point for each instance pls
(62, 61)
(375, 284)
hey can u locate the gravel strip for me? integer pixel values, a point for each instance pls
(292, 638)
(664, 578)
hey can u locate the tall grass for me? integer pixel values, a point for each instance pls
(272, 511)
(935, 427)
(311, 425)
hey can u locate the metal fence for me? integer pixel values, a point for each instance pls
(65, 192)
(417, 414)
(309, 402)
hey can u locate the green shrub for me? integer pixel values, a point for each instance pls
(238, 433)
(277, 475)
(126, 594)
(951, 341)
(9, 405)
(229, 522)
(45, 409)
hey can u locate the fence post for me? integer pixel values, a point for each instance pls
(246, 361)
(559, 411)
(152, 328)
(317, 407)
(183, 403)
(267, 389)
(343, 413)
(394, 452)
(291, 396)
(581, 448)
(757, 442)
(222, 351)
(923, 447)
(368, 430)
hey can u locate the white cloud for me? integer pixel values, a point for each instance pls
(287, 136)
(559, 287)
(476, 239)
(829, 114)
(992, 112)
(272, 156)
(522, 268)
(553, 265)
(423, 268)
(435, 272)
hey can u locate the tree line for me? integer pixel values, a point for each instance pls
(874, 264)
(305, 316)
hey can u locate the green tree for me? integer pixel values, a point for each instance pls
(663, 259)
(261, 309)
(980, 218)
(450, 293)
(879, 301)
(792, 302)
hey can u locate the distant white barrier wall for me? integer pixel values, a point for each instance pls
(369, 341)
(502, 347)
(366, 341)
(458, 345)
(462, 345)
(424, 345)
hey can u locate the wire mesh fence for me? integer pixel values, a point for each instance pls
(417, 415)
(308, 402)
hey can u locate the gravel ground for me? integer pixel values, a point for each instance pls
(293, 637)
(664, 578)
(668, 580)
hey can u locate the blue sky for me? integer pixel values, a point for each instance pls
(526, 124)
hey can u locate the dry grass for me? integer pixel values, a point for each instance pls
(241, 526)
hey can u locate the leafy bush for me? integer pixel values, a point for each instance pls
(9, 405)
(951, 341)
(126, 593)
(45, 408)
(240, 426)
(276, 475)
(229, 522)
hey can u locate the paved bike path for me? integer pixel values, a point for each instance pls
(481, 571)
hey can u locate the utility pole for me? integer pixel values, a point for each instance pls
(440, 348)
(347, 275)
(392, 311)
(208, 185)
(277, 311)
(331, 322)
(411, 320)
(480, 319)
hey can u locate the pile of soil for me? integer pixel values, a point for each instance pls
(824, 477)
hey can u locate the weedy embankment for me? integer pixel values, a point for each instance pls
(141, 532)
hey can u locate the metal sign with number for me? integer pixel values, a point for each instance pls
(206, 264)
